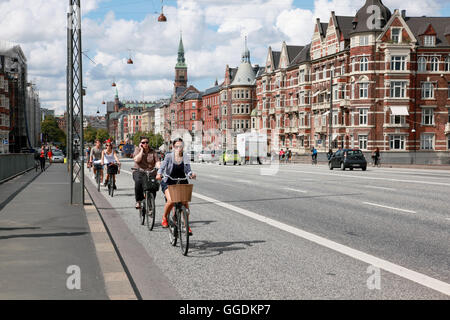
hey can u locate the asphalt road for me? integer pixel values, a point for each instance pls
(305, 232)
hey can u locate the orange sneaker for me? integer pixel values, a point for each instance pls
(164, 223)
(190, 231)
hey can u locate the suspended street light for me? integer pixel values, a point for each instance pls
(162, 17)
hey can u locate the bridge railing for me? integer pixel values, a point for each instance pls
(15, 163)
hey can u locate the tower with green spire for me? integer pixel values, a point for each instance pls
(181, 67)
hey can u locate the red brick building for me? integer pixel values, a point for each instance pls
(390, 79)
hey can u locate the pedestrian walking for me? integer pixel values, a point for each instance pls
(50, 155)
(288, 156)
(42, 156)
(329, 154)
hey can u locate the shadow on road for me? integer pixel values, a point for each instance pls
(25, 228)
(206, 249)
(44, 235)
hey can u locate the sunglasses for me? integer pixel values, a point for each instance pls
(108, 145)
(145, 142)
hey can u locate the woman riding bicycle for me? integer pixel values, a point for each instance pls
(109, 157)
(176, 165)
(145, 158)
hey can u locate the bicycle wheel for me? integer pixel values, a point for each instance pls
(173, 230)
(142, 212)
(97, 176)
(151, 210)
(183, 230)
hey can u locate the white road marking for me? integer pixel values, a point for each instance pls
(403, 272)
(296, 190)
(382, 188)
(383, 206)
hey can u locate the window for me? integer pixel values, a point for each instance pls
(427, 116)
(422, 64)
(434, 64)
(324, 72)
(362, 142)
(448, 142)
(364, 64)
(429, 41)
(364, 40)
(363, 90)
(301, 76)
(397, 142)
(427, 90)
(193, 105)
(447, 64)
(395, 119)
(426, 141)
(193, 115)
(395, 35)
(363, 117)
(398, 89)
(398, 63)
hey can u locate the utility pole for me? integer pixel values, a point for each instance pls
(75, 99)
(330, 121)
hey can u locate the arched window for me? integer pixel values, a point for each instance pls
(363, 64)
(447, 63)
(422, 64)
(434, 64)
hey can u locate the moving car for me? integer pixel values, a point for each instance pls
(57, 157)
(348, 158)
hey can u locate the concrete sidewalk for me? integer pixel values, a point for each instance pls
(44, 241)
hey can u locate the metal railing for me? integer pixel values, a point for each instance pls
(12, 164)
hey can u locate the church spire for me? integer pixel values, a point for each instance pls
(246, 53)
(181, 62)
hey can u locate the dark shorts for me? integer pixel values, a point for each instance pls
(165, 185)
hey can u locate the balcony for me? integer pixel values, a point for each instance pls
(320, 106)
(272, 111)
(287, 109)
(294, 109)
(344, 103)
(321, 129)
(447, 128)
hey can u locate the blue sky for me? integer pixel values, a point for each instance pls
(213, 35)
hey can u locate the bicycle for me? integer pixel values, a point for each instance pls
(147, 206)
(98, 168)
(179, 193)
(112, 178)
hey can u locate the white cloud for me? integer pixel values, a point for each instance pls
(212, 34)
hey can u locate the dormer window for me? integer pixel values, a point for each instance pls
(429, 41)
(395, 37)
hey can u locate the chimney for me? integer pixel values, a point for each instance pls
(403, 14)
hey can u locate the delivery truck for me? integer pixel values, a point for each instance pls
(252, 147)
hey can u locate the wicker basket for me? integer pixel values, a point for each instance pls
(180, 192)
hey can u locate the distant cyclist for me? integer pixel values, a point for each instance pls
(145, 158)
(95, 159)
(176, 164)
(111, 160)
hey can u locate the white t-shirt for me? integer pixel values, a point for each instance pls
(109, 158)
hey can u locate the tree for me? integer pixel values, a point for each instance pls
(154, 140)
(102, 135)
(51, 132)
(90, 134)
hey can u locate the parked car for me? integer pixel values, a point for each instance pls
(209, 155)
(348, 158)
(230, 156)
(58, 156)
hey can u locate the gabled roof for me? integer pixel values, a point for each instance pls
(212, 90)
(179, 91)
(441, 25)
(365, 14)
(276, 58)
(260, 71)
(345, 25)
(302, 56)
(293, 51)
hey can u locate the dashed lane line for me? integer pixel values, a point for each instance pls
(387, 207)
(398, 270)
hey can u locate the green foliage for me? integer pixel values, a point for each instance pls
(90, 134)
(51, 132)
(103, 135)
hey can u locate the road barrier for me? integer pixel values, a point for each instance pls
(15, 163)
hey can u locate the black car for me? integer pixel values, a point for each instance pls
(348, 158)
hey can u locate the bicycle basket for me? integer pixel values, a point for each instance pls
(181, 192)
(150, 184)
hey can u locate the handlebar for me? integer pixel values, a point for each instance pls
(176, 179)
(143, 170)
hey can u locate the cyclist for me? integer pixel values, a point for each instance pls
(176, 164)
(109, 157)
(314, 155)
(145, 158)
(96, 159)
